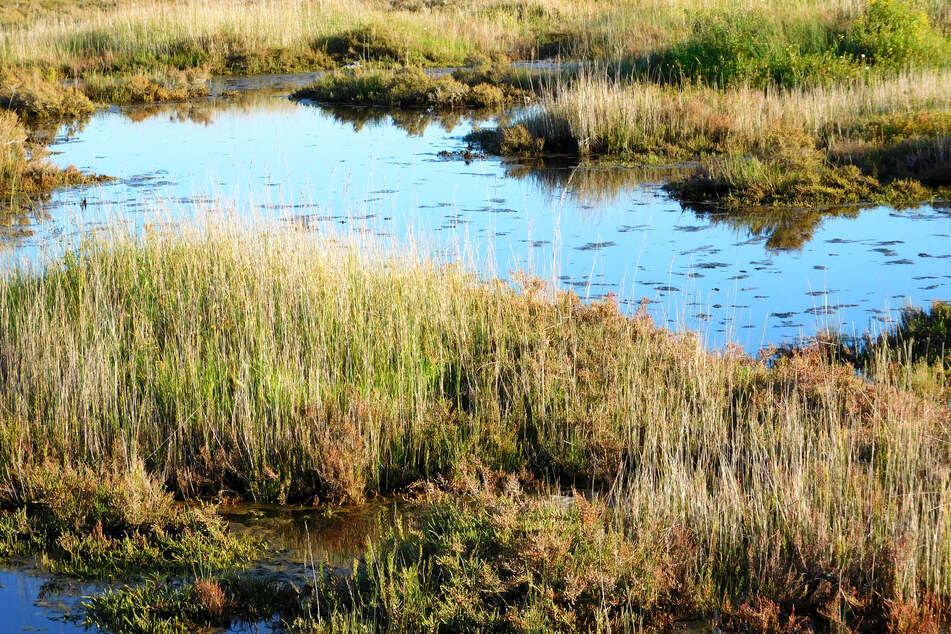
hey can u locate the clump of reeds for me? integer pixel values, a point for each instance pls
(35, 98)
(489, 85)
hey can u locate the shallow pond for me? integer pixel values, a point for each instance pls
(33, 601)
(760, 279)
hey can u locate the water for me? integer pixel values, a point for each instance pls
(594, 229)
(33, 601)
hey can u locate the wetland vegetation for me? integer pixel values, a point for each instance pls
(277, 366)
(582, 468)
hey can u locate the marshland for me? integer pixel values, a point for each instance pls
(529, 315)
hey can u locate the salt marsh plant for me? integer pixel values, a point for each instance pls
(109, 522)
(280, 365)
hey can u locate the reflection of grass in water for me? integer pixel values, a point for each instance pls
(413, 121)
(336, 535)
(783, 228)
(592, 184)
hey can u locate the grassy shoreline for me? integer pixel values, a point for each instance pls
(277, 366)
(880, 141)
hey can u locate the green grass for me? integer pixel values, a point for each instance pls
(792, 39)
(110, 523)
(154, 608)
(282, 366)
(730, 47)
(487, 85)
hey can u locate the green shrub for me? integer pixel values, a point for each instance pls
(895, 34)
(729, 47)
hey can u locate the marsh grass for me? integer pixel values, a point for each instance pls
(914, 351)
(883, 140)
(732, 47)
(293, 35)
(25, 175)
(110, 522)
(281, 366)
(36, 99)
(488, 85)
(212, 602)
(171, 85)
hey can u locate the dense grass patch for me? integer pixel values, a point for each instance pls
(167, 86)
(110, 523)
(488, 85)
(883, 141)
(504, 561)
(914, 352)
(279, 366)
(34, 98)
(154, 608)
(729, 47)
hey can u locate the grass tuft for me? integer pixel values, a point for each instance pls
(109, 523)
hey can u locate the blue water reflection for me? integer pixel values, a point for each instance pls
(596, 230)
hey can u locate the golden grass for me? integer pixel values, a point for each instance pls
(145, 33)
(598, 115)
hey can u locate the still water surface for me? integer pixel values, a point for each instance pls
(595, 229)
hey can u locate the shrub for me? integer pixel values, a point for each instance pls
(895, 34)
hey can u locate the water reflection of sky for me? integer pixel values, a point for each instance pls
(31, 601)
(594, 230)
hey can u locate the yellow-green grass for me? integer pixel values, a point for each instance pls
(487, 85)
(39, 99)
(887, 139)
(110, 522)
(283, 365)
(166, 86)
(293, 34)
